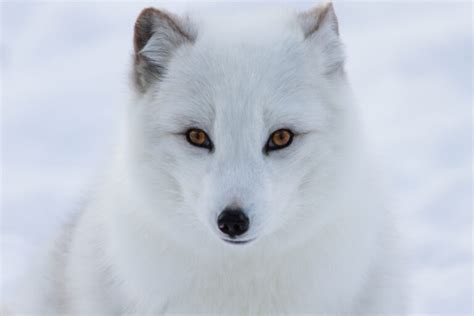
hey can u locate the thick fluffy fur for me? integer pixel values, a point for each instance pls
(148, 242)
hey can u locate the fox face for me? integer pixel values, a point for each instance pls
(235, 131)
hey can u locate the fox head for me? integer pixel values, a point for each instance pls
(237, 128)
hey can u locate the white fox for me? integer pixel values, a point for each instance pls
(240, 185)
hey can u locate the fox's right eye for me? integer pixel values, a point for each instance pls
(279, 139)
(197, 137)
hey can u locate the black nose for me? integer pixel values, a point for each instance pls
(233, 222)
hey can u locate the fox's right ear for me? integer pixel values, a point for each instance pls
(321, 32)
(157, 36)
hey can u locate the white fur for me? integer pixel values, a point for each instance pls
(148, 241)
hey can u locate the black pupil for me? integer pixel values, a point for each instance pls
(281, 138)
(199, 137)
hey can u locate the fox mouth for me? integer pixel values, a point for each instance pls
(237, 242)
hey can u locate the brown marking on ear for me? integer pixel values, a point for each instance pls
(145, 23)
(320, 14)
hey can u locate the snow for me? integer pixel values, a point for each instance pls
(64, 85)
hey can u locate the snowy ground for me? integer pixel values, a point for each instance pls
(64, 80)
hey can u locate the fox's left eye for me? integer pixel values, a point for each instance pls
(279, 139)
(197, 137)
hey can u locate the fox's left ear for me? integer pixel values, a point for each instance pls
(321, 32)
(158, 35)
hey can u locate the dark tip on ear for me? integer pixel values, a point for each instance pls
(147, 21)
(321, 15)
(329, 15)
(144, 28)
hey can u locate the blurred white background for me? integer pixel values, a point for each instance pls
(64, 72)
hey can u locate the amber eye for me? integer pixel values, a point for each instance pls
(279, 139)
(199, 138)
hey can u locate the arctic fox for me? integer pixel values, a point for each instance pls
(240, 184)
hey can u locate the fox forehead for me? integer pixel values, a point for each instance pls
(236, 98)
(247, 82)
